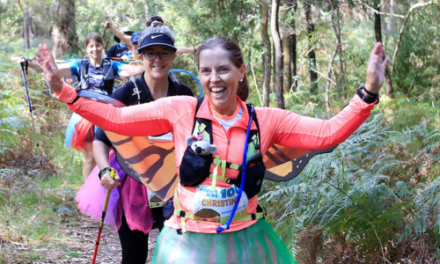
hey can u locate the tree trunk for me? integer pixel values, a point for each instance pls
(329, 76)
(337, 30)
(312, 55)
(64, 30)
(286, 63)
(278, 87)
(25, 12)
(378, 34)
(341, 80)
(267, 57)
(31, 27)
(391, 19)
(292, 51)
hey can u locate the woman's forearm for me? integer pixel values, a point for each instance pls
(100, 153)
(295, 131)
(131, 70)
(121, 35)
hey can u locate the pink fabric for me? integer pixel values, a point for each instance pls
(131, 196)
(91, 198)
(176, 115)
(135, 204)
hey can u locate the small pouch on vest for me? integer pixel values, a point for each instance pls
(254, 176)
(168, 209)
(194, 168)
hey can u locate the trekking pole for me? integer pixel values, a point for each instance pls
(23, 63)
(104, 209)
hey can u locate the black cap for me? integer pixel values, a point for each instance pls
(159, 39)
(135, 37)
(127, 32)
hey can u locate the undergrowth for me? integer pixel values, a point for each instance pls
(30, 194)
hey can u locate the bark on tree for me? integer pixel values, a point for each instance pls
(267, 57)
(292, 38)
(337, 30)
(391, 19)
(278, 87)
(341, 54)
(312, 55)
(378, 34)
(64, 29)
(286, 63)
(329, 76)
(25, 11)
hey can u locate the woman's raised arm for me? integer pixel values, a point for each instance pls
(295, 131)
(141, 120)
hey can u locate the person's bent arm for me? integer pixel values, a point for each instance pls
(188, 49)
(128, 70)
(100, 153)
(121, 35)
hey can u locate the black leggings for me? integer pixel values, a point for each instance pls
(134, 243)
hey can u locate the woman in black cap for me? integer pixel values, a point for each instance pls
(131, 214)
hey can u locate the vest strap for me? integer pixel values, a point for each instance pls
(222, 178)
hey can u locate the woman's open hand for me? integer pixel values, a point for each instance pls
(376, 68)
(50, 68)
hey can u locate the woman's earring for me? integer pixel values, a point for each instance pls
(241, 80)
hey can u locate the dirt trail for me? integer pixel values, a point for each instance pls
(80, 242)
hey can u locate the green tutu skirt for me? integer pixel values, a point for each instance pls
(257, 244)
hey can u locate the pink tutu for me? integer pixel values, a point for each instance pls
(134, 200)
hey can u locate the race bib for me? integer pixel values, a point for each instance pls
(153, 200)
(216, 206)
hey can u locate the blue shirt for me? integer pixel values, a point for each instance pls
(95, 74)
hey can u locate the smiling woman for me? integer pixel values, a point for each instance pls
(219, 70)
(158, 52)
(224, 120)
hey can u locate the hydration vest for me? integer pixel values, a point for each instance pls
(194, 168)
(108, 79)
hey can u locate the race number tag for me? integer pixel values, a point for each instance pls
(216, 206)
(153, 200)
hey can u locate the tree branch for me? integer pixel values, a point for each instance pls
(382, 13)
(404, 26)
(322, 74)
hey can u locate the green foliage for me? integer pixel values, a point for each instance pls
(352, 191)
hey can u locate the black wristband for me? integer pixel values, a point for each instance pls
(368, 92)
(76, 99)
(104, 171)
(367, 99)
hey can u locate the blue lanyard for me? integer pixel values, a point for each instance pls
(243, 176)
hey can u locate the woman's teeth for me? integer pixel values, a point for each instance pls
(217, 91)
(157, 67)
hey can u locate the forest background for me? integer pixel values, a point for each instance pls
(375, 199)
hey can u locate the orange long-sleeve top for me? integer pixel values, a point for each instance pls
(176, 115)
